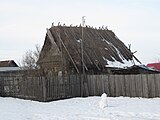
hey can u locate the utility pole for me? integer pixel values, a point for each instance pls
(82, 41)
(84, 85)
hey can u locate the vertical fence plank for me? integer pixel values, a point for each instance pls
(157, 85)
(24, 86)
(89, 84)
(135, 82)
(98, 83)
(13, 86)
(151, 85)
(41, 84)
(77, 86)
(38, 88)
(72, 85)
(44, 82)
(127, 85)
(112, 85)
(52, 86)
(106, 85)
(122, 80)
(78, 81)
(101, 87)
(68, 87)
(1, 85)
(94, 85)
(57, 88)
(46, 86)
(21, 90)
(138, 85)
(102, 84)
(145, 85)
(61, 90)
(117, 85)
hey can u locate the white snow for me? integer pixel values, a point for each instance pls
(116, 63)
(103, 101)
(119, 108)
(79, 40)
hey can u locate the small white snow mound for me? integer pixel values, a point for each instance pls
(103, 101)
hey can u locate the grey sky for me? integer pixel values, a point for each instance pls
(23, 23)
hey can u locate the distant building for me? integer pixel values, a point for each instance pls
(8, 65)
(154, 65)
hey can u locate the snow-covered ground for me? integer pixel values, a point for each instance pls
(119, 108)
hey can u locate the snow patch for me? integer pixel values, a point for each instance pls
(106, 48)
(119, 108)
(78, 40)
(116, 63)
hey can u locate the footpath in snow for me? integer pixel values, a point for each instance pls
(118, 108)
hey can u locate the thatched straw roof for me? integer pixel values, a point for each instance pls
(101, 47)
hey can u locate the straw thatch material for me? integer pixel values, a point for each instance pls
(62, 48)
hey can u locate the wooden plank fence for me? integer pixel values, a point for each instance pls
(142, 85)
(54, 87)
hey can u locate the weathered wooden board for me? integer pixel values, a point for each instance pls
(89, 84)
(139, 87)
(106, 85)
(151, 85)
(127, 85)
(112, 85)
(117, 85)
(145, 86)
(122, 82)
(94, 84)
(157, 85)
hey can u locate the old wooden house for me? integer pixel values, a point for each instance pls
(66, 52)
(102, 50)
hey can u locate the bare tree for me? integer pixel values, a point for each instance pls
(29, 60)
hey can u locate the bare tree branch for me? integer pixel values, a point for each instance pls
(29, 60)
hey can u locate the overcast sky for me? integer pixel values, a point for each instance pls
(23, 23)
